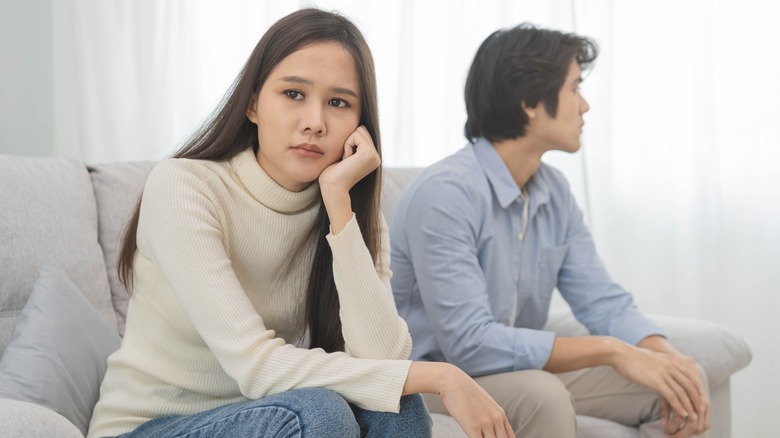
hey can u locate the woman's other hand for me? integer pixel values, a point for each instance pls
(470, 405)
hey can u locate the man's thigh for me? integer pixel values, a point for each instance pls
(536, 402)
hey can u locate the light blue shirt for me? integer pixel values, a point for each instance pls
(475, 290)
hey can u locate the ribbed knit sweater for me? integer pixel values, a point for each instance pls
(217, 311)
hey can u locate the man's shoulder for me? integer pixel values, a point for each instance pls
(455, 184)
(460, 172)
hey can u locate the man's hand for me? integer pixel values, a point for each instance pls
(677, 426)
(654, 364)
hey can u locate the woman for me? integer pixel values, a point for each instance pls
(261, 303)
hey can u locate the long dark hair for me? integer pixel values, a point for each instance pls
(227, 132)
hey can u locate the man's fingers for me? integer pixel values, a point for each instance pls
(682, 396)
(664, 411)
(674, 402)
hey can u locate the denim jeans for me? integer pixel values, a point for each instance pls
(299, 413)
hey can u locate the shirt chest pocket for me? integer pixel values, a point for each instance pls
(550, 262)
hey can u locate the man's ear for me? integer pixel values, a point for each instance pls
(531, 111)
(251, 110)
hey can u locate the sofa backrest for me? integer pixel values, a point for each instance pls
(394, 180)
(47, 210)
(117, 189)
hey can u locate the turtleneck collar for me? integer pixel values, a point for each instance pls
(266, 191)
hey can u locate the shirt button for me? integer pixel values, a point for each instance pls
(520, 236)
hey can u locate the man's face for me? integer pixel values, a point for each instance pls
(563, 131)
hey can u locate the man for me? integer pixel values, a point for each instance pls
(480, 240)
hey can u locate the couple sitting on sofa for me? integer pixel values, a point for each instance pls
(259, 265)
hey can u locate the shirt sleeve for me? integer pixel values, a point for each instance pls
(182, 234)
(596, 301)
(370, 323)
(445, 220)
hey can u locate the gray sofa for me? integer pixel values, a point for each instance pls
(71, 215)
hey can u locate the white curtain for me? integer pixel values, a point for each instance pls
(678, 170)
(683, 173)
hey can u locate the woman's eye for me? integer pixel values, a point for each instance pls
(338, 103)
(293, 94)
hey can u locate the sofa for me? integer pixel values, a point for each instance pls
(62, 309)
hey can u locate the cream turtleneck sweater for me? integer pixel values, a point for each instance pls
(216, 315)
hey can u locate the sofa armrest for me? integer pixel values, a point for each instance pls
(718, 349)
(22, 419)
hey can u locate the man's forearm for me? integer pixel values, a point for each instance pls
(574, 353)
(657, 343)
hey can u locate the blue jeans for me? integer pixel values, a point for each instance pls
(299, 413)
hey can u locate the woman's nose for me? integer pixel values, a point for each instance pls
(313, 120)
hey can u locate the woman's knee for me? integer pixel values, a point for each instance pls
(414, 416)
(412, 420)
(322, 412)
(307, 412)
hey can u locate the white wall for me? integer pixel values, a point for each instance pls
(26, 85)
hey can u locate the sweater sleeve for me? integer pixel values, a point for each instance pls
(370, 323)
(182, 235)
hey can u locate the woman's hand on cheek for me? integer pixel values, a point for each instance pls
(360, 158)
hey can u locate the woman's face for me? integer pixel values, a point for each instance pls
(309, 105)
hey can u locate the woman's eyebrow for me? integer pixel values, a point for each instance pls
(300, 80)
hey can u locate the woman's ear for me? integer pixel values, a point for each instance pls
(251, 110)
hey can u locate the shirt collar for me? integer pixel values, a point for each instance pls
(504, 186)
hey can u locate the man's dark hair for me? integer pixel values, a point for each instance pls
(520, 65)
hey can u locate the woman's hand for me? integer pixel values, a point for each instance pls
(470, 405)
(360, 158)
(473, 408)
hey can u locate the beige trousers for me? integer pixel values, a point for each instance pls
(541, 404)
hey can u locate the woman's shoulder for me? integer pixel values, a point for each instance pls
(186, 170)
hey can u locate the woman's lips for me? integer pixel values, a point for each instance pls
(308, 150)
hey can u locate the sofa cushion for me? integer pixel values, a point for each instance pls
(445, 426)
(57, 355)
(48, 210)
(22, 419)
(117, 188)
